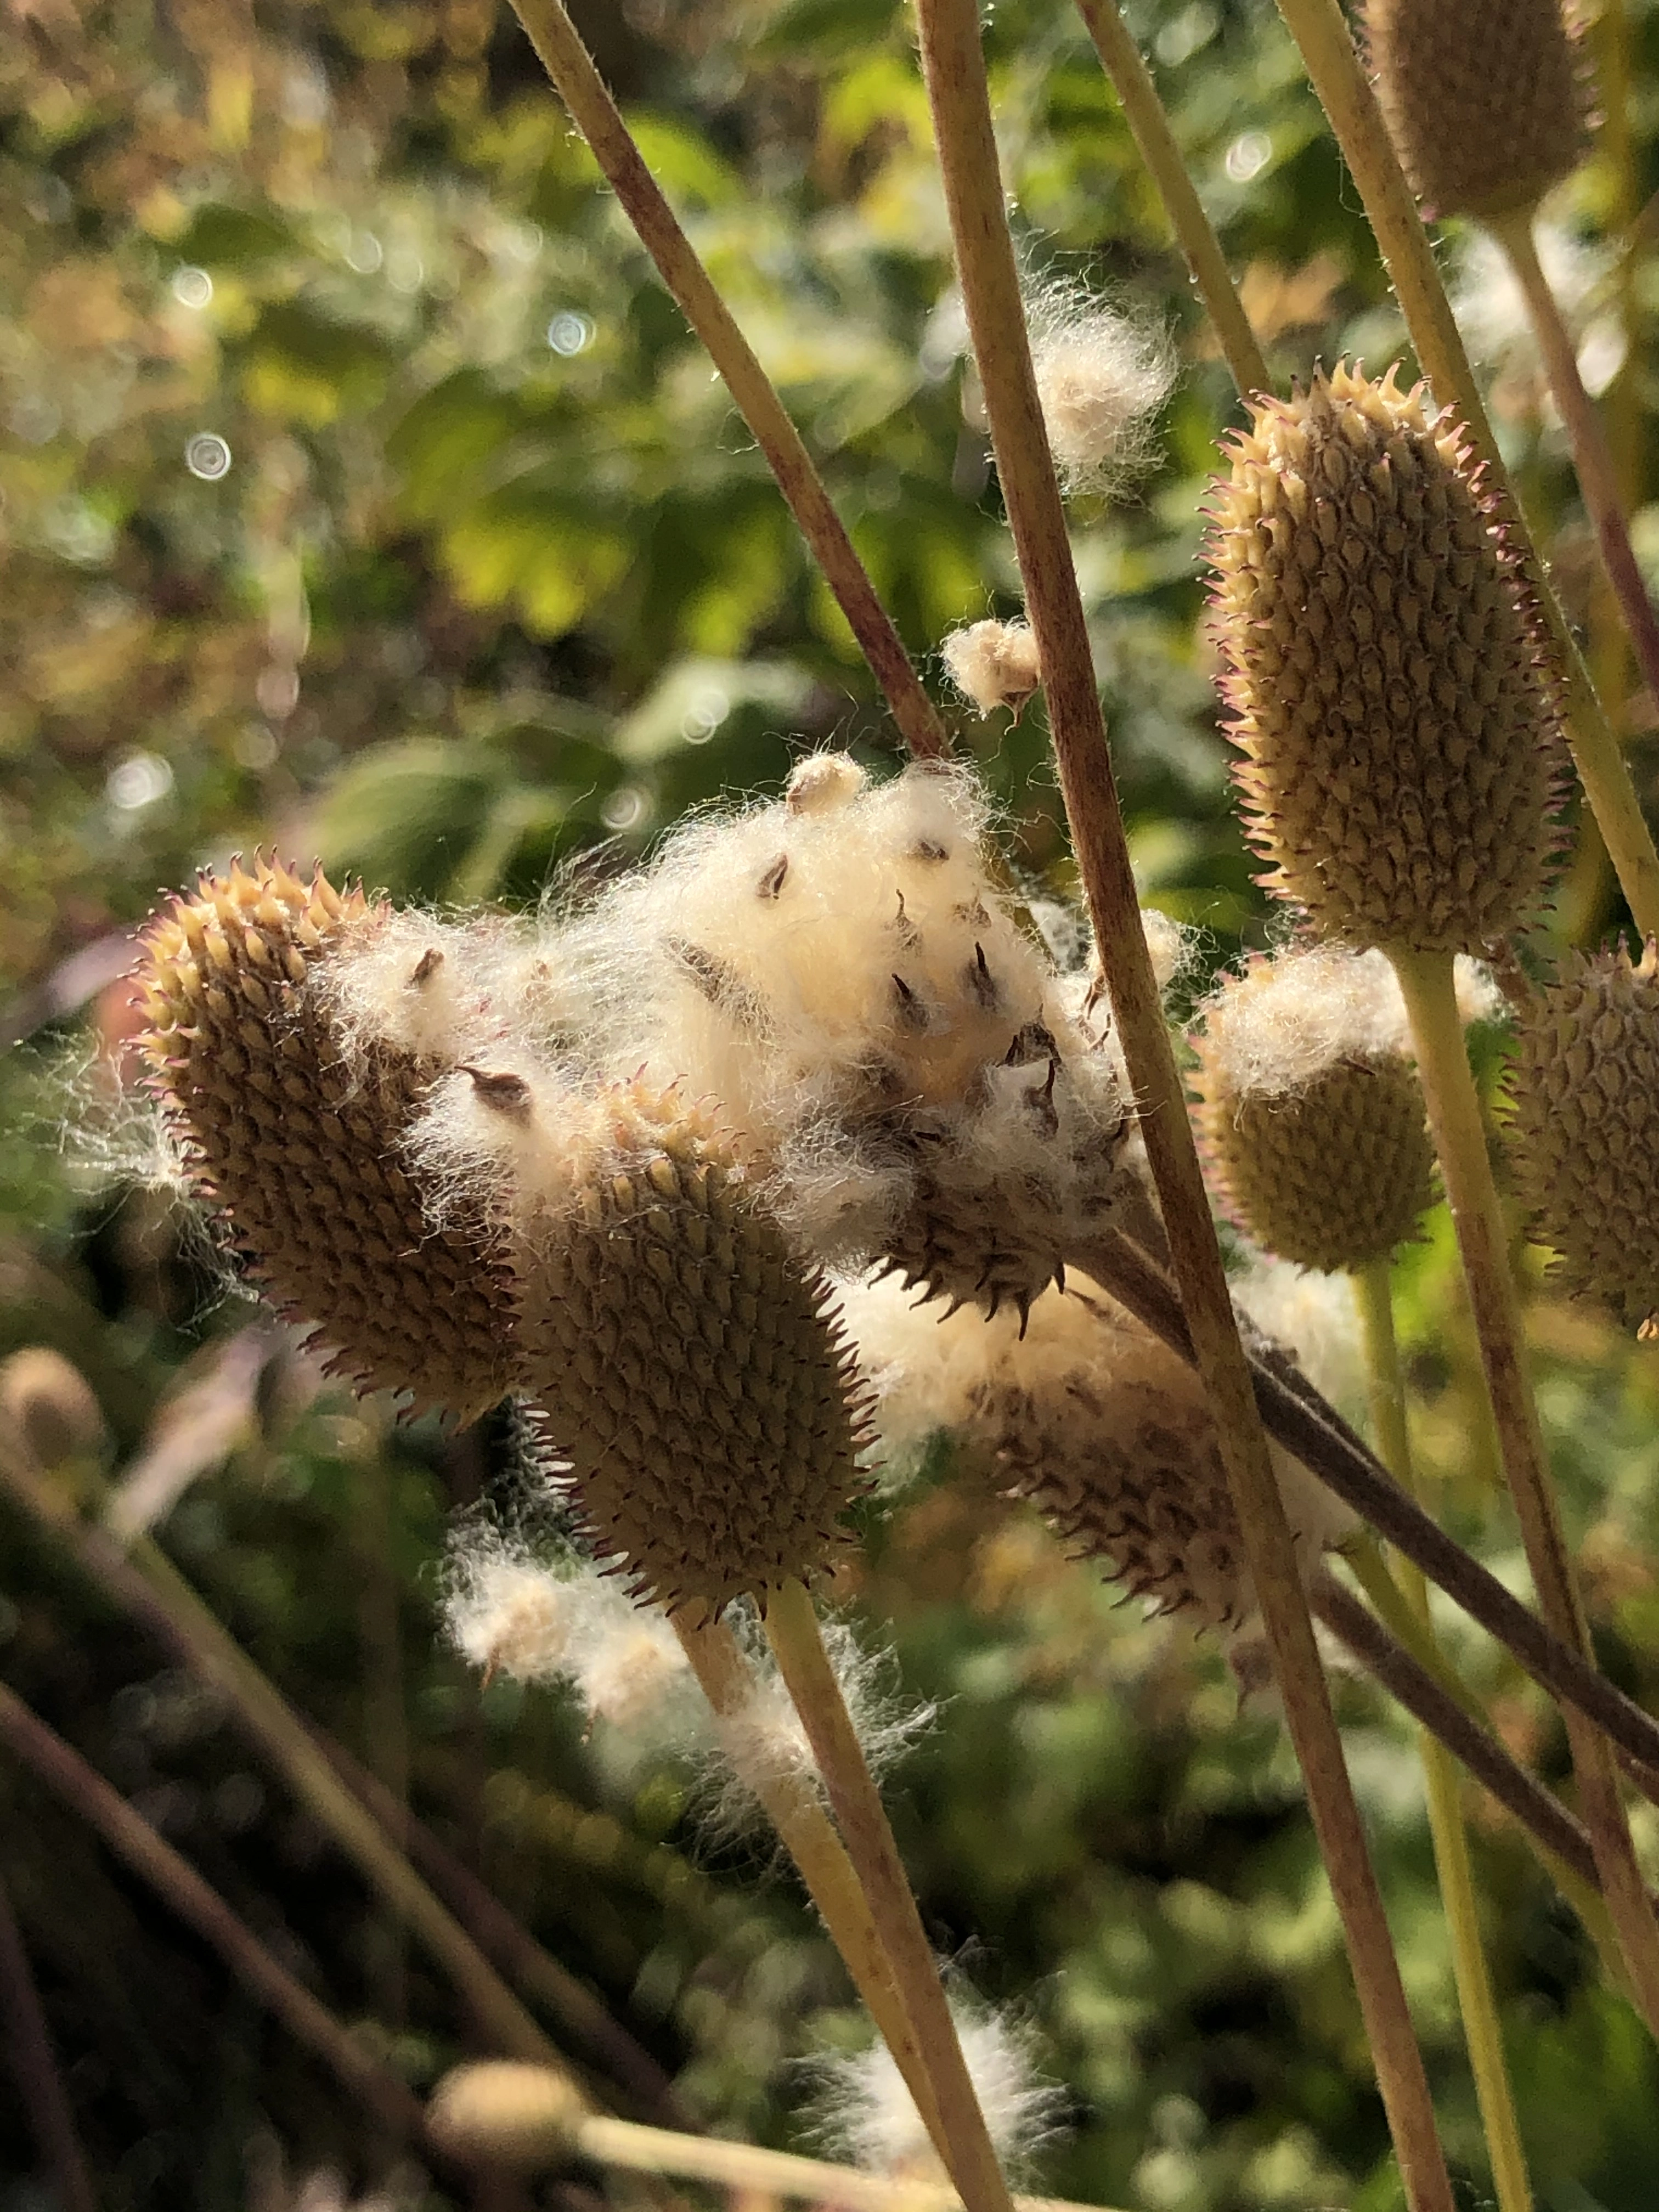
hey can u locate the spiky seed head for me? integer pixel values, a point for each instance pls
(1310, 1111)
(1486, 100)
(1396, 732)
(1109, 1435)
(1584, 1139)
(692, 1369)
(298, 1144)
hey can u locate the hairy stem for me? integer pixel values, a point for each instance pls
(1492, 2088)
(34, 2069)
(953, 66)
(792, 1629)
(1148, 119)
(138, 1845)
(559, 47)
(1327, 49)
(1425, 980)
(792, 1805)
(1598, 478)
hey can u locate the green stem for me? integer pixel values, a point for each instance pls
(1426, 981)
(792, 1629)
(1328, 50)
(1149, 120)
(1451, 1844)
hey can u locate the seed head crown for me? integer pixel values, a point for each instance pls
(1395, 731)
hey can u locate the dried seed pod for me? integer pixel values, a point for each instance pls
(1585, 1134)
(1486, 100)
(1108, 1433)
(1397, 734)
(1310, 1110)
(299, 1146)
(694, 1373)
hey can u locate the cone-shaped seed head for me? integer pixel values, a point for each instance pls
(1396, 733)
(1585, 1136)
(299, 1146)
(1309, 1112)
(1485, 99)
(1108, 1433)
(693, 1372)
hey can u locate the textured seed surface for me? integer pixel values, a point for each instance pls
(1585, 1135)
(1333, 1175)
(298, 1150)
(691, 1368)
(1485, 99)
(1396, 737)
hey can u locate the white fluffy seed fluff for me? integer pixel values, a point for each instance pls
(862, 2114)
(1101, 376)
(994, 664)
(838, 971)
(507, 1612)
(1287, 1020)
(1315, 1318)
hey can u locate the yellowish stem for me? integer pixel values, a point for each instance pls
(792, 1805)
(1148, 119)
(1475, 1997)
(558, 45)
(954, 68)
(791, 1628)
(1426, 979)
(1328, 50)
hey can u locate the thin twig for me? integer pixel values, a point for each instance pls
(1334, 69)
(792, 1629)
(34, 2069)
(792, 1804)
(1493, 2090)
(1598, 478)
(558, 45)
(1426, 983)
(136, 1843)
(954, 68)
(1149, 120)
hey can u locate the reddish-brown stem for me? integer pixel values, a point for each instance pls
(954, 68)
(558, 45)
(34, 2069)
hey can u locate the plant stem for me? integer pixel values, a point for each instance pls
(1149, 120)
(1333, 68)
(792, 1629)
(1425, 980)
(479, 2107)
(34, 2069)
(134, 1841)
(1598, 479)
(1479, 2006)
(807, 1834)
(156, 1592)
(1315, 1433)
(559, 47)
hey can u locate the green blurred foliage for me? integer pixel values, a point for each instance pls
(363, 493)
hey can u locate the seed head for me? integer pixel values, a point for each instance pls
(1486, 100)
(299, 1144)
(693, 1372)
(1585, 1135)
(1102, 375)
(1396, 731)
(994, 664)
(1309, 1109)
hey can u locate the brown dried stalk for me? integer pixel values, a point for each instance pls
(953, 65)
(34, 2069)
